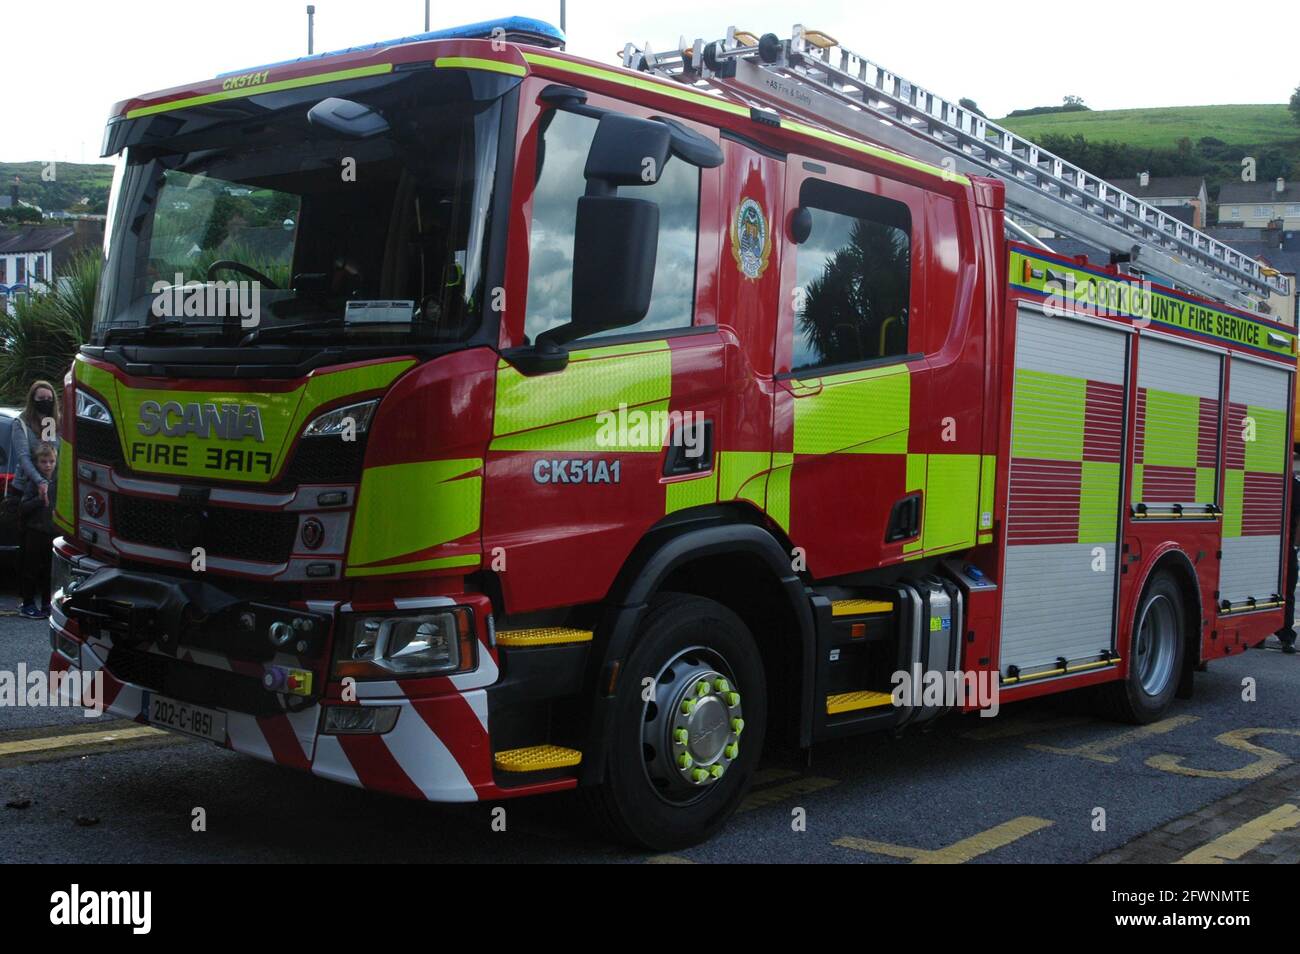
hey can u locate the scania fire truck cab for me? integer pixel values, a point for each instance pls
(464, 420)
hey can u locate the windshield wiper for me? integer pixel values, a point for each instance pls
(326, 324)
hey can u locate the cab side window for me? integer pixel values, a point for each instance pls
(854, 278)
(565, 140)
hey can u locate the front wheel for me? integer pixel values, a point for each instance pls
(689, 713)
(1155, 656)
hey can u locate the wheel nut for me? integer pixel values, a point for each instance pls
(721, 685)
(680, 736)
(699, 775)
(688, 706)
(737, 726)
(716, 771)
(731, 751)
(702, 688)
(733, 699)
(684, 761)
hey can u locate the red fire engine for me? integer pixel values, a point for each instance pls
(464, 420)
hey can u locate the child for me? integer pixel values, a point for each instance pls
(36, 515)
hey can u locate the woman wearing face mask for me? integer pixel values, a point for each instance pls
(38, 424)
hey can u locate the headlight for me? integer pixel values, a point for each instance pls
(92, 409)
(423, 644)
(336, 421)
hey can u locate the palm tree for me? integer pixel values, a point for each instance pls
(858, 308)
(46, 328)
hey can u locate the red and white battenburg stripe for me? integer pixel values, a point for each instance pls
(438, 750)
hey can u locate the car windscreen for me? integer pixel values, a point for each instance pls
(276, 227)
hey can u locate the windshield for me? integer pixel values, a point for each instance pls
(264, 226)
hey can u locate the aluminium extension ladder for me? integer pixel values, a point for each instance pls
(813, 76)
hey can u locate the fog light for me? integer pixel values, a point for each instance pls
(313, 533)
(357, 720)
(94, 505)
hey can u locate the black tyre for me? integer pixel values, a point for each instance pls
(1155, 662)
(686, 743)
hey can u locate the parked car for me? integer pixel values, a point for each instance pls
(8, 521)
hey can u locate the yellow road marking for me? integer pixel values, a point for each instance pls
(779, 793)
(668, 860)
(958, 852)
(24, 746)
(1009, 728)
(1097, 751)
(1245, 838)
(1267, 762)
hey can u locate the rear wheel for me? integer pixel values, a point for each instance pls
(1155, 656)
(690, 712)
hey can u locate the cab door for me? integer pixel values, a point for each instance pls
(848, 366)
(879, 359)
(585, 459)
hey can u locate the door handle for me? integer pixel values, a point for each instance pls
(690, 450)
(904, 519)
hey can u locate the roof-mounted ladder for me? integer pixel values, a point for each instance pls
(813, 76)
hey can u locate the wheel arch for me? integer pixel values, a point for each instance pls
(722, 553)
(1174, 561)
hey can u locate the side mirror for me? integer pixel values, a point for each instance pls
(626, 151)
(801, 224)
(615, 244)
(347, 119)
(615, 238)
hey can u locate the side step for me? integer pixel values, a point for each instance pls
(860, 607)
(853, 701)
(543, 636)
(865, 637)
(536, 758)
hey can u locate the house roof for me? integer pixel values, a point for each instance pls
(38, 238)
(1162, 187)
(1261, 193)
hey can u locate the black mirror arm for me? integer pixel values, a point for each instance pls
(542, 357)
(687, 145)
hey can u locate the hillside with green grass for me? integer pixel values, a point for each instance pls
(1163, 128)
(1209, 141)
(63, 188)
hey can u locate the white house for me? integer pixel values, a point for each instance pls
(29, 255)
(1257, 204)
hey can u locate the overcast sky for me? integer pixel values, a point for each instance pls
(65, 62)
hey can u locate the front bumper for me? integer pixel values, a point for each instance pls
(439, 749)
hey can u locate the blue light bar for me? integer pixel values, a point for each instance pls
(514, 30)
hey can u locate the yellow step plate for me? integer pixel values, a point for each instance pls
(536, 758)
(543, 636)
(860, 607)
(852, 701)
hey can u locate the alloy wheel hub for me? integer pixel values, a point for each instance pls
(692, 727)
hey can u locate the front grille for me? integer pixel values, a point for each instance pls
(187, 682)
(221, 531)
(98, 442)
(326, 460)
